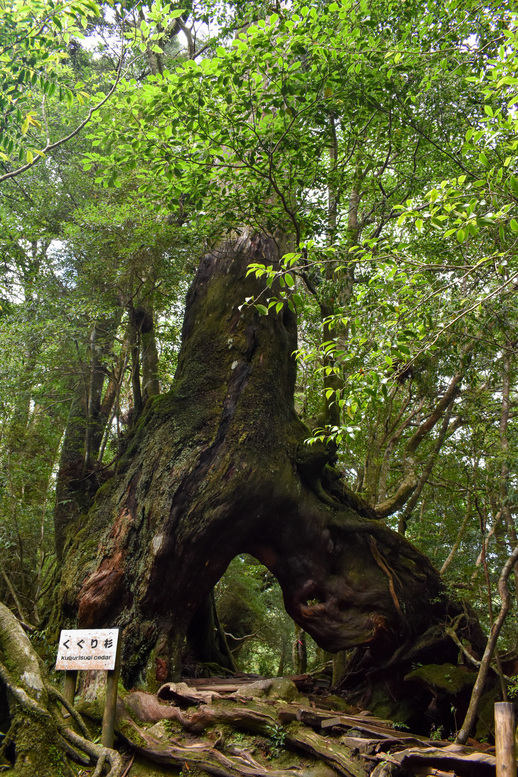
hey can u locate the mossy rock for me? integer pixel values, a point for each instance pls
(274, 688)
(443, 677)
(336, 703)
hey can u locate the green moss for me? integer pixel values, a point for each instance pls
(38, 753)
(445, 677)
(92, 708)
(174, 728)
(104, 491)
(131, 734)
(336, 703)
(143, 768)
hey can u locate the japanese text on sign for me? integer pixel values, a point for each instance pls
(87, 649)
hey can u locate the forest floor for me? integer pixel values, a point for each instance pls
(282, 727)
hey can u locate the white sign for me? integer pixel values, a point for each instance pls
(87, 649)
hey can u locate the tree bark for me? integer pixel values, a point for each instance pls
(219, 466)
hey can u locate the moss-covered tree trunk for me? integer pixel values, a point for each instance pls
(218, 466)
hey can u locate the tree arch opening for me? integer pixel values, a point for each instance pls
(261, 636)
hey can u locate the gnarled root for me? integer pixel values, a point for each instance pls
(38, 739)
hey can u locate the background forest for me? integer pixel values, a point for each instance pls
(381, 138)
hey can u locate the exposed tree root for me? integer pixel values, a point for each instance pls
(43, 743)
(241, 735)
(238, 762)
(232, 731)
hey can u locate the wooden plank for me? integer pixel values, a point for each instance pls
(329, 722)
(110, 707)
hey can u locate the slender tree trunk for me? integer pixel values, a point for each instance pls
(505, 506)
(460, 534)
(339, 667)
(150, 383)
(206, 637)
(300, 651)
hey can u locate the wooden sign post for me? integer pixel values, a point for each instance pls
(69, 689)
(505, 739)
(88, 650)
(110, 708)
